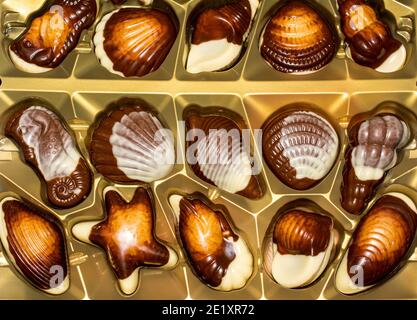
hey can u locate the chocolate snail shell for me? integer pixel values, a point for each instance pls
(35, 244)
(127, 236)
(47, 145)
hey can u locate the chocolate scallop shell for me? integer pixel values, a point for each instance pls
(52, 35)
(299, 145)
(217, 255)
(35, 244)
(232, 168)
(379, 244)
(130, 144)
(48, 146)
(297, 39)
(133, 42)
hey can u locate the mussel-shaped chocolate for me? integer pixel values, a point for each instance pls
(133, 42)
(299, 145)
(218, 35)
(297, 39)
(127, 236)
(48, 146)
(369, 40)
(374, 144)
(130, 144)
(300, 248)
(216, 151)
(379, 244)
(35, 244)
(52, 35)
(217, 255)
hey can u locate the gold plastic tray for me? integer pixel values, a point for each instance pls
(80, 88)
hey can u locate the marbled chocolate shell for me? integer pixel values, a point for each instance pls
(300, 249)
(379, 244)
(369, 40)
(373, 149)
(218, 256)
(129, 144)
(220, 157)
(52, 35)
(34, 242)
(49, 148)
(299, 146)
(133, 42)
(218, 35)
(298, 39)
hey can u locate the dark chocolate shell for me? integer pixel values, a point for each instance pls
(127, 236)
(297, 39)
(369, 39)
(133, 42)
(52, 35)
(379, 244)
(374, 144)
(129, 144)
(299, 146)
(231, 168)
(48, 146)
(35, 244)
(218, 256)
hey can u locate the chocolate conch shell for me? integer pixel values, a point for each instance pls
(299, 145)
(47, 145)
(133, 42)
(374, 144)
(379, 244)
(297, 39)
(127, 236)
(217, 255)
(369, 39)
(300, 248)
(220, 157)
(129, 144)
(35, 244)
(52, 35)
(218, 35)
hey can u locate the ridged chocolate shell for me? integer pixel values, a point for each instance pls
(52, 35)
(233, 170)
(299, 146)
(373, 149)
(35, 244)
(134, 41)
(48, 146)
(129, 144)
(297, 39)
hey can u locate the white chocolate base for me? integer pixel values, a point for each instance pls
(24, 66)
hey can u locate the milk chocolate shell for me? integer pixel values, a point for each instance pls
(218, 35)
(133, 42)
(220, 156)
(35, 244)
(52, 35)
(297, 39)
(217, 255)
(381, 241)
(127, 236)
(373, 149)
(130, 144)
(48, 146)
(299, 145)
(300, 248)
(369, 40)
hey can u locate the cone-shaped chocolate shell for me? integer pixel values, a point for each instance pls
(297, 39)
(47, 145)
(35, 244)
(220, 157)
(52, 35)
